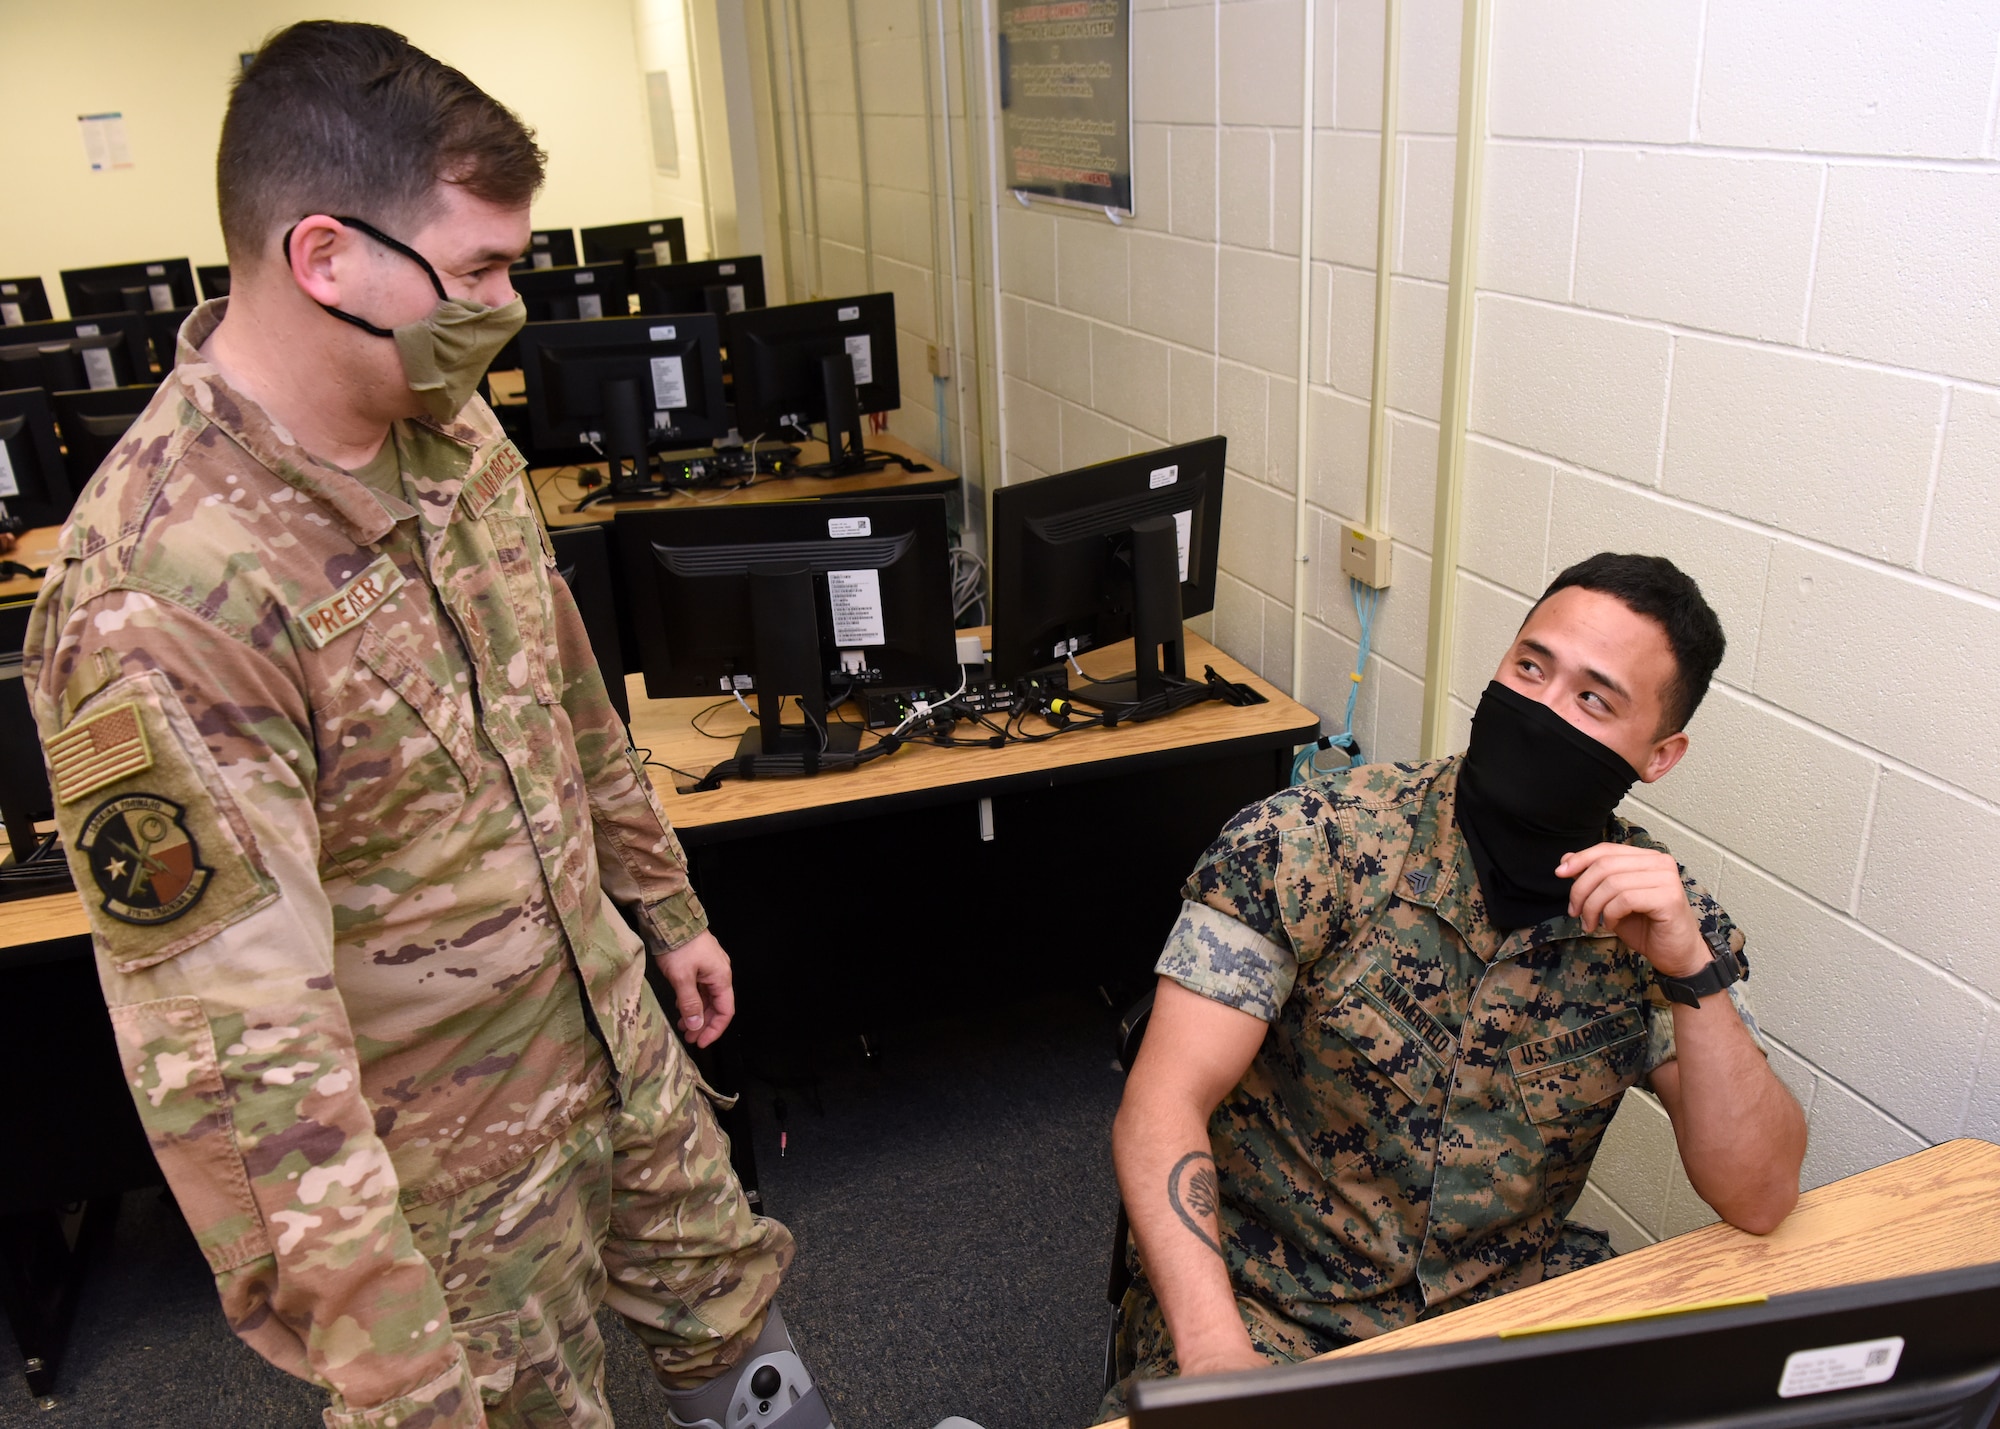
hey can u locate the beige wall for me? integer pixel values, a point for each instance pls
(571, 71)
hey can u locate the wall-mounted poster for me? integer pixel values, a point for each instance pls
(1066, 99)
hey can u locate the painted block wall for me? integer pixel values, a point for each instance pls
(1736, 285)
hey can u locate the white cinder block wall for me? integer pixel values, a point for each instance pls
(1738, 288)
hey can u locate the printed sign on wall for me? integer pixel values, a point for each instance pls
(1066, 99)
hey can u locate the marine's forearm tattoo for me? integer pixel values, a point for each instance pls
(1194, 1193)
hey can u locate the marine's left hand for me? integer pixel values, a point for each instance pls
(704, 987)
(1637, 894)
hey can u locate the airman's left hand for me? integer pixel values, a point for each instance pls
(704, 987)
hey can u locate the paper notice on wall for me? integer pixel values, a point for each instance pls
(669, 384)
(863, 358)
(8, 485)
(104, 141)
(10, 315)
(97, 369)
(1183, 536)
(856, 597)
(591, 305)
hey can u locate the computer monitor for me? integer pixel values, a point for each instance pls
(624, 387)
(214, 280)
(584, 561)
(163, 330)
(826, 361)
(718, 285)
(24, 780)
(106, 350)
(549, 248)
(1127, 547)
(590, 290)
(644, 242)
(34, 484)
(23, 300)
(791, 599)
(129, 287)
(92, 423)
(1919, 1352)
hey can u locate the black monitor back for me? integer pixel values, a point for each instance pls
(774, 360)
(716, 285)
(687, 577)
(584, 561)
(636, 242)
(566, 294)
(565, 366)
(93, 423)
(214, 280)
(23, 300)
(125, 358)
(163, 330)
(24, 779)
(1921, 1352)
(1060, 548)
(549, 248)
(130, 287)
(33, 463)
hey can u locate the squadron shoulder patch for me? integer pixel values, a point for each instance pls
(349, 606)
(108, 746)
(143, 859)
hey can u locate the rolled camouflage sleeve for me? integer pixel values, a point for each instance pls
(184, 792)
(1212, 954)
(639, 857)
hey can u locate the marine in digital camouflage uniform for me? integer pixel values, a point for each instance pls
(1376, 1166)
(355, 823)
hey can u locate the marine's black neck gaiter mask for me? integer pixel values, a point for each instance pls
(1532, 788)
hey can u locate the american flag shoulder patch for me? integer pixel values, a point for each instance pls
(101, 749)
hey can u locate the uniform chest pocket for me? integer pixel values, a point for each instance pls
(1579, 1071)
(396, 754)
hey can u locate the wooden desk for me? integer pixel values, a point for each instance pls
(920, 773)
(1936, 1210)
(35, 548)
(559, 495)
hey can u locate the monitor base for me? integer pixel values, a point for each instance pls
(801, 741)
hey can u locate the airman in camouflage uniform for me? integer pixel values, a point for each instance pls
(1422, 1114)
(355, 823)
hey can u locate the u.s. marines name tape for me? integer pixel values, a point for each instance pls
(349, 606)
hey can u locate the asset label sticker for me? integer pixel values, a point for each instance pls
(725, 269)
(850, 315)
(660, 334)
(10, 289)
(736, 297)
(856, 597)
(162, 295)
(663, 252)
(97, 369)
(8, 485)
(585, 277)
(863, 358)
(542, 260)
(843, 526)
(656, 228)
(349, 606)
(1840, 1367)
(156, 270)
(669, 384)
(590, 305)
(10, 314)
(1183, 536)
(1163, 476)
(87, 330)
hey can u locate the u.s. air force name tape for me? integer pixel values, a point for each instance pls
(349, 606)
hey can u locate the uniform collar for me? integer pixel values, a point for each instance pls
(1438, 874)
(348, 502)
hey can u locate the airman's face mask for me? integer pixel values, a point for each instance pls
(447, 352)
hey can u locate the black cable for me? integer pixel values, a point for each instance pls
(695, 723)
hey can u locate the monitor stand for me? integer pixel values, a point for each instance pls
(1158, 634)
(785, 622)
(625, 428)
(846, 448)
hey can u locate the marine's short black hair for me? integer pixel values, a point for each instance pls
(339, 118)
(1656, 588)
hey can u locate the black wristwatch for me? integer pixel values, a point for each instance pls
(1689, 991)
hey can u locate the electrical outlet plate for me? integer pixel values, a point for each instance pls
(1364, 555)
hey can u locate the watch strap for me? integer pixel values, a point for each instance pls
(1690, 990)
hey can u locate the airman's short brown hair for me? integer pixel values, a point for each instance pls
(338, 118)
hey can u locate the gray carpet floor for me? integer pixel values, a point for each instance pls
(952, 1196)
